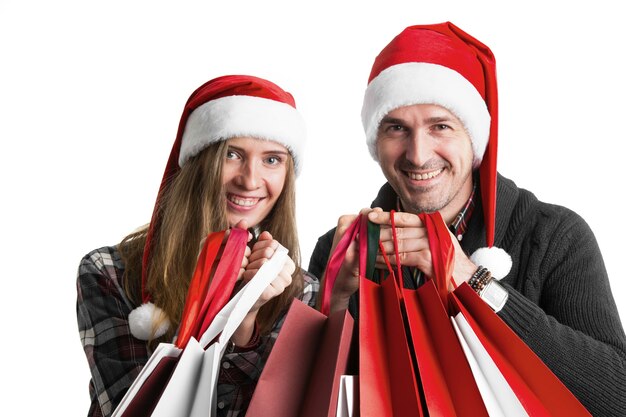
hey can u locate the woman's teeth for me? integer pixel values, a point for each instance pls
(246, 202)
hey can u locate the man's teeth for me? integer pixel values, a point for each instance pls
(244, 202)
(427, 176)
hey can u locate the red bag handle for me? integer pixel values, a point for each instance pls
(224, 279)
(198, 286)
(357, 228)
(396, 277)
(334, 263)
(207, 296)
(441, 250)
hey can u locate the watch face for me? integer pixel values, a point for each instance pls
(495, 295)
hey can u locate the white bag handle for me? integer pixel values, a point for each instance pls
(232, 314)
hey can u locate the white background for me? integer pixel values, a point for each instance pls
(91, 94)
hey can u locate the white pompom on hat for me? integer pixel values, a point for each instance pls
(441, 64)
(141, 321)
(222, 108)
(496, 260)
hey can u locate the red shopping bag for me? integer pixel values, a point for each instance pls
(538, 390)
(446, 378)
(387, 378)
(302, 375)
(513, 380)
(145, 393)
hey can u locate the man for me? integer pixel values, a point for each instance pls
(430, 118)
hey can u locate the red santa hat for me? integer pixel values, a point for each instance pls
(441, 64)
(225, 107)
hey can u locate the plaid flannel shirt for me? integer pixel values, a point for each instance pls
(116, 357)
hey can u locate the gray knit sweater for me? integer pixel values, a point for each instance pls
(560, 301)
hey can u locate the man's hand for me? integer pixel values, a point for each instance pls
(347, 282)
(413, 245)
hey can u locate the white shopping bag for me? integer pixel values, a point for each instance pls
(163, 352)
(499, 398)
(347, 401)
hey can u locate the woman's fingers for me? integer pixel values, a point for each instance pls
(278, 285)
(263, 249)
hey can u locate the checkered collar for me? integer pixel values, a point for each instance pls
(460, 223)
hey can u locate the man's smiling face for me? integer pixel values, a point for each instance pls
(426, 155)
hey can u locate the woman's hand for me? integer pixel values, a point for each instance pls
(242, 224)
(262, 251)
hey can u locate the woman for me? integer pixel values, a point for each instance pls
(234, 162)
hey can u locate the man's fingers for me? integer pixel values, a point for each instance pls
(403, 233)
(405, 245)
(422, 260)
(401, 219)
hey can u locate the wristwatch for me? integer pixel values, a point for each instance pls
(489, 289)
(494, 294)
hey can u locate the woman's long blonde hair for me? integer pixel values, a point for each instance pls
(193, 205)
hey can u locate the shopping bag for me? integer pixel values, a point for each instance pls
(386, 382)
(179, 394)
(145, 392)
(499, 398)
(302, 375)
(387, 378)
(140, 399)
(447, 381)
(167, 384)
(215, 339)
(510, 377)
(191, 391)
(538, 390)
(348, 401)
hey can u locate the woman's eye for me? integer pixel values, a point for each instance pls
(231, 155)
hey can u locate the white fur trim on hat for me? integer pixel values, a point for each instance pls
(141, 320)
(425, 83)
(234, 116)
(496, 260)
